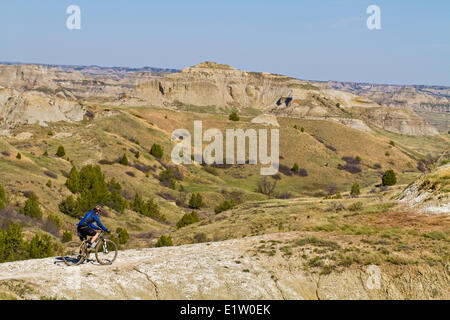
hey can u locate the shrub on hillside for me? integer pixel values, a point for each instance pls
(196, 201)
(389, 178)
(73, 181)
(67, 236)
(69, 206)
(267, 187)
(40, 246)
(11, 243)
(169, 176)
(357, 206)
(124, 160)
(31, 207)
(19, 156)
(233, 116)
(51, 174)
(122, 235)
(226, 205)
(2, 197)
(92, 187)
(149, 208)
(355, 191)
(116, 200)
(141, 167)
(61, 152)
(156, 151)
(164, 241)
(350, 168)
(13, 247)
(187, 219)
(302, 172)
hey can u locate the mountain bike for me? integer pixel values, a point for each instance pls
(75, 253)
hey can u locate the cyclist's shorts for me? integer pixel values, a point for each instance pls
(86, 231)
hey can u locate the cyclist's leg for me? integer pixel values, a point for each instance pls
(93, 233)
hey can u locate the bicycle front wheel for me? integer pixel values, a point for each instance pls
(73, 254)
(106, 252)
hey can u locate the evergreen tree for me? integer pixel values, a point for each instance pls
(39, 247)
(124, 160)
(196, 201)
(69, 206)
(93, 187)
(123, 235)
(31, 207)
(187, 219)
(116, 201)
(13, 245)
(2, 197)
(61, 152)
(233, 116)
(149, 208)
(164, 241)
(389, 178)
(73, 181)
(156, 151)
(226, 205)
(355, 190)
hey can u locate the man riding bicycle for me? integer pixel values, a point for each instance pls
(86, 226)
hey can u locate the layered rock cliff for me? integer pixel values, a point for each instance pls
(36, 107)
(55, 90)
(210, 84)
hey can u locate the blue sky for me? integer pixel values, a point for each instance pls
(317, 40)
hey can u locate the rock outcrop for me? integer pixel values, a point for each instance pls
(431, 192)
(36, 107)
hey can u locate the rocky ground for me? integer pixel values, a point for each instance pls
(220, 270)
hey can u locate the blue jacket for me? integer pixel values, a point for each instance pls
(89, 220)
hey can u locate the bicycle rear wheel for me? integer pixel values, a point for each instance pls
(73, 253)
(106, 252)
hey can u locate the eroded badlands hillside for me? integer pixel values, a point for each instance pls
(63, 92)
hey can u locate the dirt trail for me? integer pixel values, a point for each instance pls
(219, 270)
